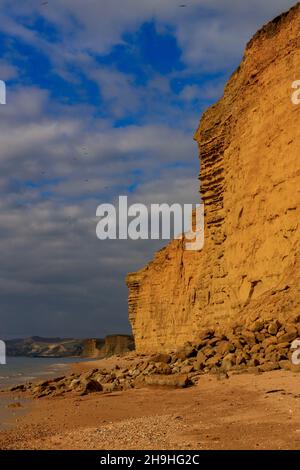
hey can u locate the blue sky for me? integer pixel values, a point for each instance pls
(103, 99)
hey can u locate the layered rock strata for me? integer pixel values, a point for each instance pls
(249, 182)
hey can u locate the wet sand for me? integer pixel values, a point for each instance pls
(11, 409)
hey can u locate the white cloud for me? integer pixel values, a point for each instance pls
(53, 266)
(211, 33)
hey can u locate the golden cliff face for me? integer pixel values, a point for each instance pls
(249, 144)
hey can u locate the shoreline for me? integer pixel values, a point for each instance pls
(243, 411)
(13, 406)
(44, 371)
(11, 409)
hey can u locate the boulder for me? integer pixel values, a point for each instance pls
(269, 366)
(165, 358)
(273, 327)
(174, 380)
(187, 351)
(162, 368)
(256, 326)
(228, 361)
(90, 386)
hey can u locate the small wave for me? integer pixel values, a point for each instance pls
(14, 375)
(54, 366)
(42, 373)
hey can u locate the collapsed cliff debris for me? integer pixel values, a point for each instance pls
(249, 182)
(261, 346)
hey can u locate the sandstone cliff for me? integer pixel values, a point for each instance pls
(110, 345)
(249, 182)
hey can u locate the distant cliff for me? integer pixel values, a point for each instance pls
(110, 345)
(36, 346)
(249, 149)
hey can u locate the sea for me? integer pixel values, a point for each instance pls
(18, 370)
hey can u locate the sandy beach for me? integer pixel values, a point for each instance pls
(244, 411)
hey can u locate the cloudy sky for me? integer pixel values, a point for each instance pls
(103, 97)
